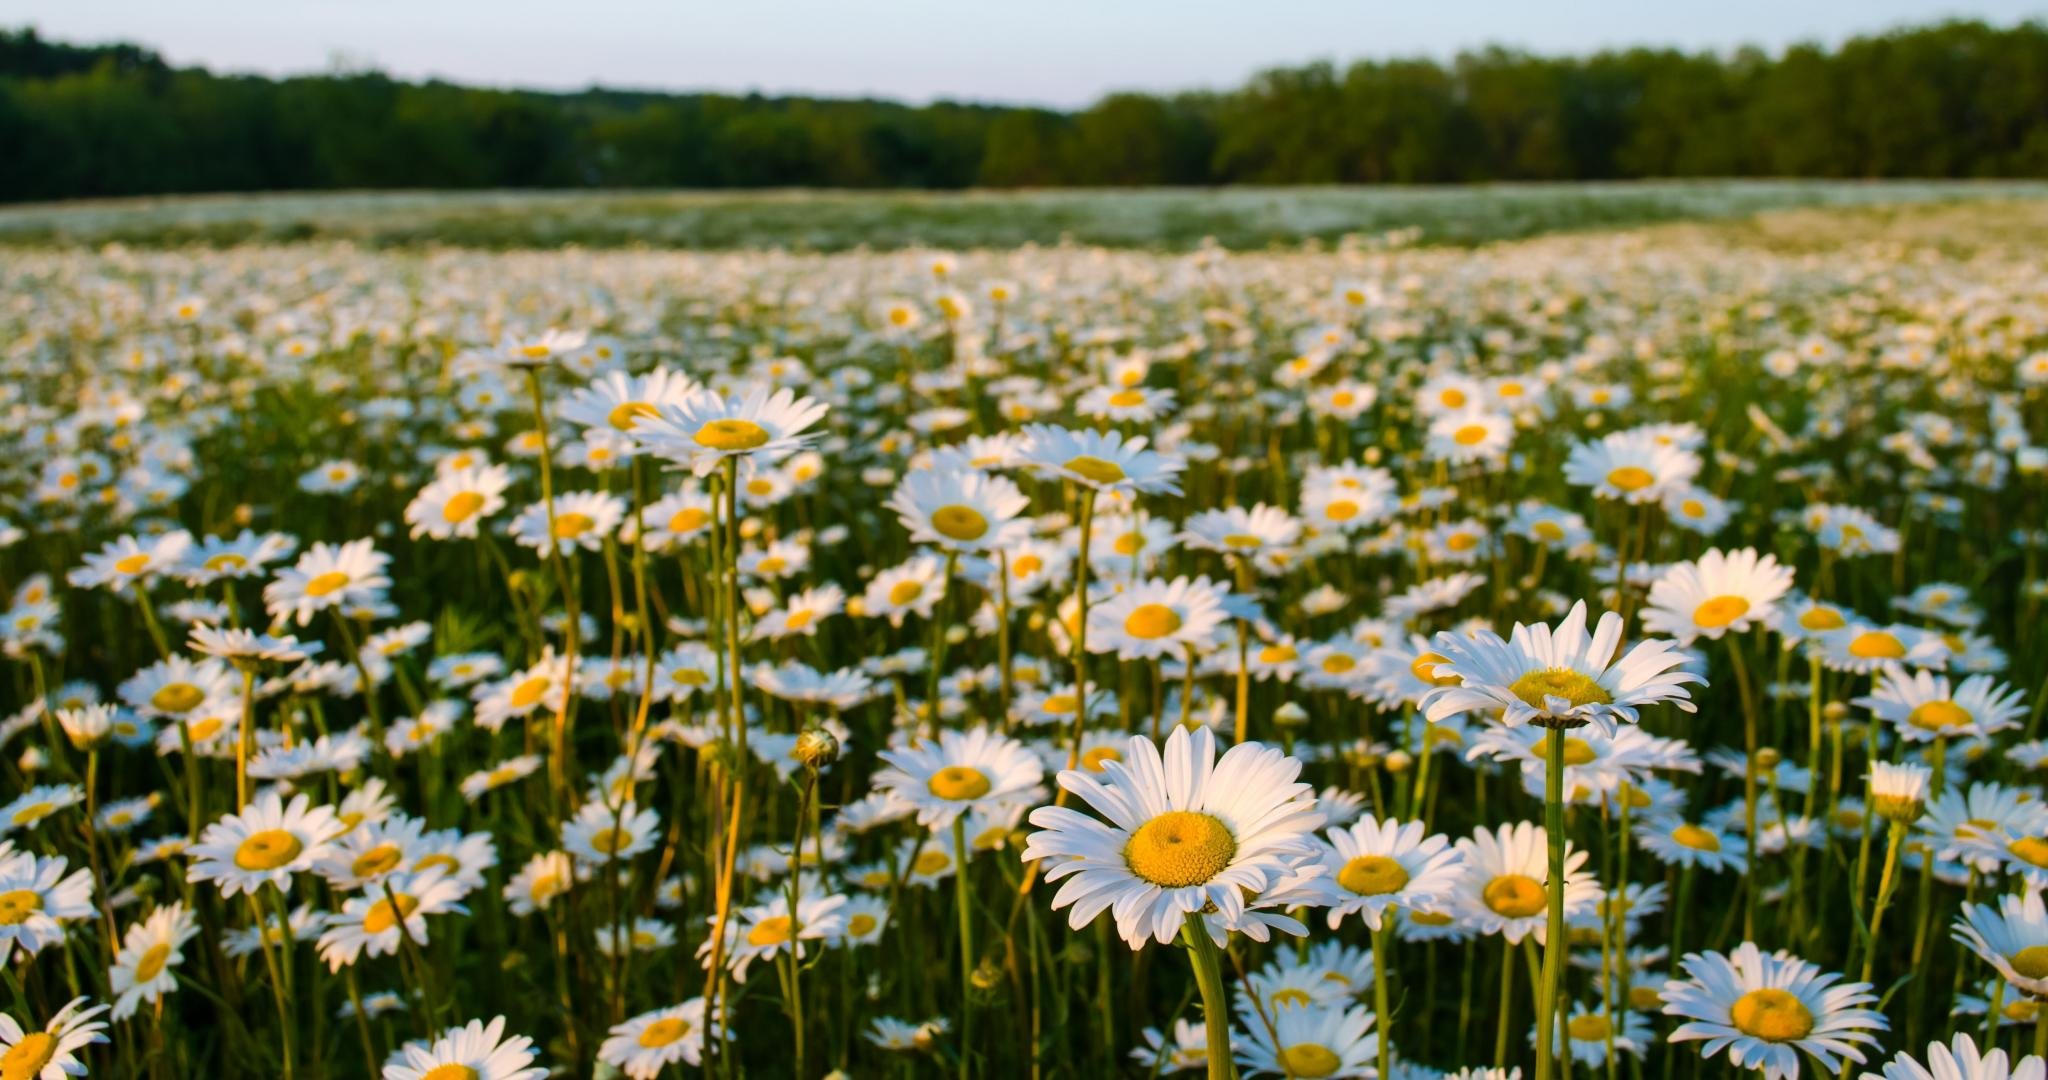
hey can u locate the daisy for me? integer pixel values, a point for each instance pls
(545, 877)
(265, 844)
(650, 1042)
(2011, 936)
(1959, 1060)
(246, 646)
(1501, 885)
(601, 834)
(1184, 831)
(1184, 1050)
(960, 510)
(537, 351)
(1862, 648)
(458, 501)
(142, 970)
(327, 576)
(959, 772)
(51, 1052)
(1237, 531)
(1720, 593)
(1677, 842)
(1589, 1030)
(1768, 1008)
(1558, 678)
(801, 615)
(677, 518)
(912, 587)
(708, 429)
(475, 1051)
(1923, 706)
(1100, 461)
(1375, 865)
(766, 931)
(31, 807)
(614, 403)
(1474, 435)
(128, 561)
(1633, 466)
(1310, 1040)
(393, 909)
(581, 519)
(1155, 618)
(34, 896)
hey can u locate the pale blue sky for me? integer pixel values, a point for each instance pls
(1056, 52)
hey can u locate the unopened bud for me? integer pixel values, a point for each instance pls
(816, 749)
(1290, 715)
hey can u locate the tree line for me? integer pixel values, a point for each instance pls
(1958, 99)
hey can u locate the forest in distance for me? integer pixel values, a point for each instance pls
(1954, 100)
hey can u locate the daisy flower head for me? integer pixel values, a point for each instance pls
(2012, 936)
(1102, 461)
(1184, 831)
(1959, 1059)
(265, 844)
(242, 647)
(1557, 678)
(705, 430)
(475, 1051)
(960, 510)
(614, 403)
(1331, 1040)
(1766, 1009)
(51, 1052)
(144, 968)
(387, 913)
(1633, 466)
(650, 1042)
(1863, 648)
(328, 576)
(1719, 593)
(1898, 792)
(1922, 706)
(958, 772)
(578, 519)
(600, 833)
(1375, 865)
(36, 899)
(1236, 531)
(1501, 887)
(458, 501)
(1155, 618)
(534, 351)
(765, 931)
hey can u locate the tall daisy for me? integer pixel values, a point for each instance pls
(705, 430)
(1719, 593)
(960, 510)
(1766, 1009)
(265, 844)
(1100, 460)
(51, 1051)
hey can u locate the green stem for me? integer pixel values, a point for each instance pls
(1555, 943)
(1203, 955)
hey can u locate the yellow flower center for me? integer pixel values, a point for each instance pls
(450, 1071)
(1338, 664)
(1516, 896)
(1692, 508)
(382, 916)
(1180, 848)
(1454, 398)
(1341, 510)
(226, 561)
(731, 435)
(1292, 997)
(1822, 618)
(1645, 998)
(26, 1059)
(326, 583)
(625, 416)
(1771, 1015)
(688, 519)
(268, 850)
(861, 923)
(528, 692)
(1719, 612)
(1430, 918)
(1575, 687)
(773, 930)
(572, 525)
(800, 618)
(1062, 703)
(1696, 838)
(1470, 435)
(1151, 621)
(931, 862)
(1311, 1060)
(959, 783)
(376, 860)
(133, 564)
(1462, 542)
(461, 506)
(611, 841)
(445, 862)
(16, 905)
(177, 697)
(903, 592)
(958, 522)
(663, 1032)
(34, 812)
(1094, 759)
(2031, 961)
(1938, 716)
(1095, 470)
(1277, 654)
(2033, 849)
(2023, 1009)
(1023, 566)
(152, 963)
(1127, 399)
(1877, 645)
(1631, 478)
(1373, 875)
(1577, 751)
(1425, 666)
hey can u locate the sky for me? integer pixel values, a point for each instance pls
(1062, 53)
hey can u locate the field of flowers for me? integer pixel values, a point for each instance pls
(1613, 656)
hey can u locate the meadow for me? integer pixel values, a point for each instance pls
(1380, 641)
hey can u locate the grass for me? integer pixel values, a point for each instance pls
(1175, 219)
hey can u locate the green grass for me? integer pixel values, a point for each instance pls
(835, 221)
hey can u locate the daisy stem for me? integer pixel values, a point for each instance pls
(2041, 1032)
(246, 739)
(963, 909)
(1081, 632)
(1554, 943)
(1505, 1004)
(156, 630)
(572, 628)
(1382, 953)
(1202, 953)
(1749, 766)
(284, 1012)
(1003, 633)
(938, 657)
(355, 1000)
(1886, 881)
